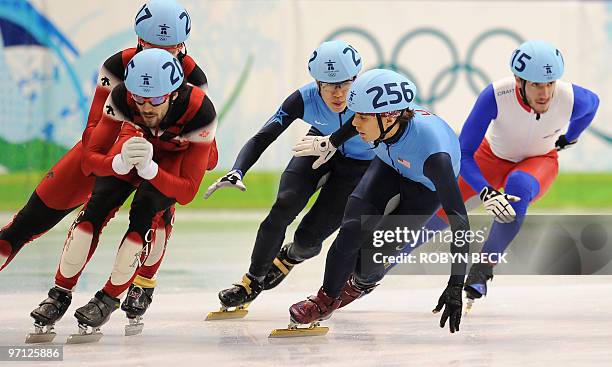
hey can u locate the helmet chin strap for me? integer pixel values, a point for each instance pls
(383, 131)
(524, 98)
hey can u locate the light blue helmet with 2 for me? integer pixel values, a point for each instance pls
(381, 91)
(163, 23)
(334, 62)
(153, 73)
(537, 62)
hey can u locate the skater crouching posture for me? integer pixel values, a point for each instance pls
(67, 186)
(525, 120)
(417, 158)
(154, 138)
(322, 104)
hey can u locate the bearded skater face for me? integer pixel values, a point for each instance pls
(153, 109)
(539, 95)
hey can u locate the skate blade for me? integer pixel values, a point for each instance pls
(468, 306)
(40, 337)
(133, 329)
(84, 338)
(292, 332)
(226, 315)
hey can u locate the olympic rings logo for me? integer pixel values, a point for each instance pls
(437, 90)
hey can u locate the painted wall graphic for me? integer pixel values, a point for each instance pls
(255, 52)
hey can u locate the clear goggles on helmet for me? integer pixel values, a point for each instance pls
(331, 87)
(154, 101)
(383, 114)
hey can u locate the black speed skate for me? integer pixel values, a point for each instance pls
(281, 266)
(237, 297)
(93, 315)
(47, 314)
(135, 305)
(476, 283)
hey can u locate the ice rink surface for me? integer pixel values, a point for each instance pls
(526, 321)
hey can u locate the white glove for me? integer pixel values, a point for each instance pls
(140, 155)
(130, 152)
(231, 179)
(498, 204)
(318, 146)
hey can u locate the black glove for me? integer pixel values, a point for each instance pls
(451, 298)
(562, 143)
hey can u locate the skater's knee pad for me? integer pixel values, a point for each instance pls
(523, 185)
(285, 199)
(281, 213)
(158, 247)
(303, 251)
(131, 253)
(76, 249)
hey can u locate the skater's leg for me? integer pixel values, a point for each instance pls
(107, 196)
(32, 221)
(147, 208)
(298, 183)
(377, 187)
(326, 214)
(140, 293)
(524, 186)
(321, 220)
(63, 189)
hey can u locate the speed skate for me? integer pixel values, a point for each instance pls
(228, 313)
(85, 335)
(293, 330)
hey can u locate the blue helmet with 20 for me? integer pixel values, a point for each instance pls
(153, 73)
(334, 62)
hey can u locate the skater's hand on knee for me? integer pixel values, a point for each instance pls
(231, 179)
(451, 301)
(498, 204)
(318, 146)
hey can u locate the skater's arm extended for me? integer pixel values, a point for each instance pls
(439, 169)
(291, 109)
(472, 134)
(343, 134)
(583, 112)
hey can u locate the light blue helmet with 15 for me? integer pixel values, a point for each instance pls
(153, 73)
(334, 62)
(537, 62)
(163, 23)
(381, 91)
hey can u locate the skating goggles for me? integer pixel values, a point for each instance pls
(154, 101)
(331, 87)
(170, 49)
(383, 114)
